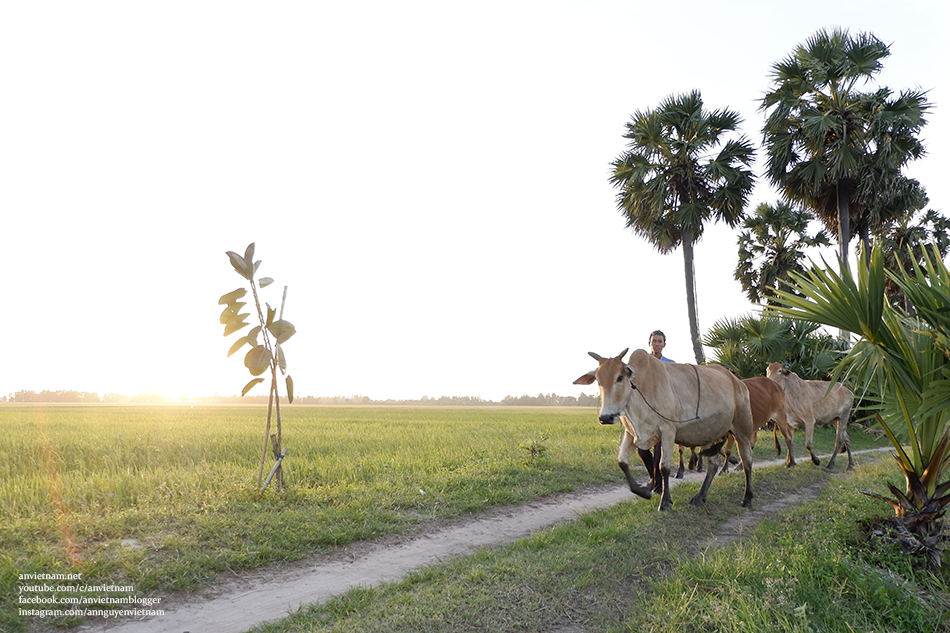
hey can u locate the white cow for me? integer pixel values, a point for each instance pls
(672, 403)
(809, 403)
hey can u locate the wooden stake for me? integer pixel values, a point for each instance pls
(274, 469)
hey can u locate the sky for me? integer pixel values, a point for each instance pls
(427, 178)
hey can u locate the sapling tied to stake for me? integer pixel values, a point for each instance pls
(266, 342)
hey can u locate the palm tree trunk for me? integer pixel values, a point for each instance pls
(691, 297)
(865, 233)
(844, 223)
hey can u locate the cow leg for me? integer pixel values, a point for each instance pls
(809, 435)
(745, 454)
(626, 448)
(682, 470)
(640, 491)
(842, 444)
(700, 497)
(727, 451)
(653, 469)
(834, 453)
(788, 433)
(695, 460)
(666, 502)
(713, 454)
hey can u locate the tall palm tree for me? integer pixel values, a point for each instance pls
(771, 246)
(829, 146)
(671, 180)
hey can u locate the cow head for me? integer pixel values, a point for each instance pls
(615, 380)
(777, 371)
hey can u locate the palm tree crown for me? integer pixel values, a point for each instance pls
(771, 245)
(832, 148)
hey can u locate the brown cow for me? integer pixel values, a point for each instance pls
(768, 403)
(673, 404)
(815, 402)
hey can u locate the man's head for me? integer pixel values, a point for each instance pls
(657, 342)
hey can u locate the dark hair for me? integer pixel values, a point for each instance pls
(655, 332)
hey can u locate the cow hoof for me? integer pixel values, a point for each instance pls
(665, 506)
(746, 503)
(815, 461)
(697, 501)
(646, 493)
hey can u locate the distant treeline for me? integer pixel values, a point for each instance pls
(541, 399)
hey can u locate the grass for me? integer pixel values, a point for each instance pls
(165, 498)
(629, 568)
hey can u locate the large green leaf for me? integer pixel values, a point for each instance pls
(249, 264)
(263, 282)
(251, 385)
(236, 323)
(258, 360)
(231, 297)
(241, 342)
(238, 263)
(231, 311)
(281, 330)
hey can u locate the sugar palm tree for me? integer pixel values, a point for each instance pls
(904, 362)
(771, 245)
(829, 146)
(679, 171)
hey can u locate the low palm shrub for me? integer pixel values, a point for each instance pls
(902, 359)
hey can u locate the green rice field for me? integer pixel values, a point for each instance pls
(166, 498)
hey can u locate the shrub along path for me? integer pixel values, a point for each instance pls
(237, 604)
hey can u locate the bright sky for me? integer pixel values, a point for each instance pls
(429, 178)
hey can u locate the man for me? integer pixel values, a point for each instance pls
(657, 343)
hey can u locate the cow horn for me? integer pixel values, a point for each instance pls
(621, 355)
(596, 356)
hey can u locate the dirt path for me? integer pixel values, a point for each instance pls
(233, 605)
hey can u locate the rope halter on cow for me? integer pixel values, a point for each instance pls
(698, 395)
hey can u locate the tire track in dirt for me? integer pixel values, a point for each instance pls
(234, 605)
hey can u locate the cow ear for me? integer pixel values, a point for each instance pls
(586, 379)
(628, 371)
